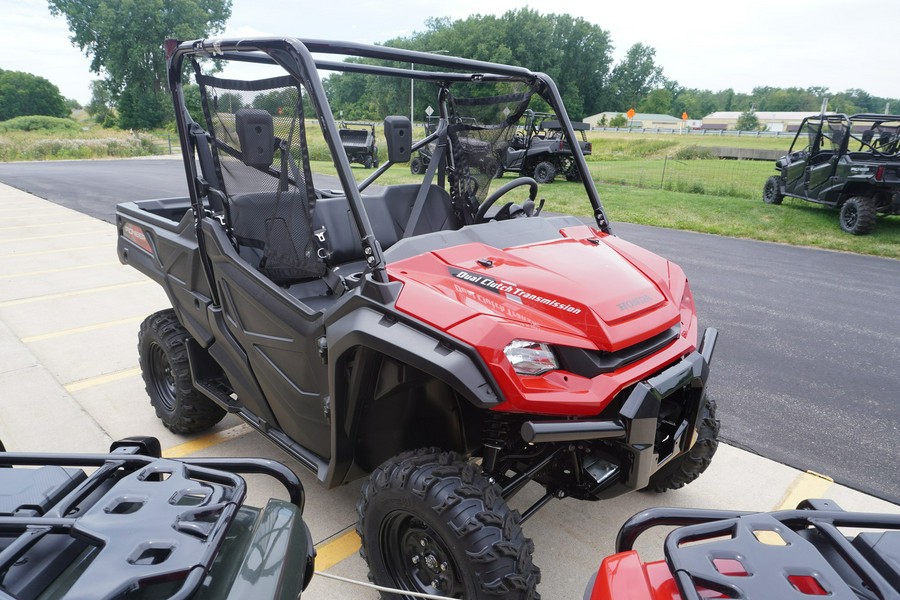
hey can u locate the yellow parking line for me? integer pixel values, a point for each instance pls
(60, 270)
(95, 290)
(75, 330)
(50, 237)
(44, 224)
(807, 485)
(53, 251)
(337, 550)
(83, 384)
(207, 441)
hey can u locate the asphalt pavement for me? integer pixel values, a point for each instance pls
(806, 368)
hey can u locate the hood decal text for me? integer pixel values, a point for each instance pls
(511, 290)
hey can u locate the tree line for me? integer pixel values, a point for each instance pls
(123, 38)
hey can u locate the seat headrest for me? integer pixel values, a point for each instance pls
(256, 134)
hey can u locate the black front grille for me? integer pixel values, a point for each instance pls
(590, 363)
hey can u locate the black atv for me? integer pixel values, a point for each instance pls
(358, 140)
(480, 154)
(848, 163)
(134, 525)
(449, 341)
(539, 149)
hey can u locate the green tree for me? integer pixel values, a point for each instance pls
(658, 101)
(633, 78)
(748, 121)
(696, 103)
(229, 102)
(619, 120)
(574, 52)
(124, 39)
(26, 94)
(101, 105)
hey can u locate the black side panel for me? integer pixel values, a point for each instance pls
(175, 263)
(278, 335)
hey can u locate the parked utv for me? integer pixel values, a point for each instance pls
(447, 339)
(480, 154)
(139, 526)
(848, 163)
(817, 550)
(358, 140)
(540, 150)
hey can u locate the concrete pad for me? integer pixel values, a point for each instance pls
(30, 319)
(102, 273)
(37, 415)
(14, 356)
(18, 265)
(109, 350)
(122, 408)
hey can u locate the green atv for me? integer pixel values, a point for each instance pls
(848, 163)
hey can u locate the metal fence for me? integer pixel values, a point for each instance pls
(165, 144)
(717, 177)
(701, 132)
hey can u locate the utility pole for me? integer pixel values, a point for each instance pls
(412, 86)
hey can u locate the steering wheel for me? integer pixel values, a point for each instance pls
(490, 200)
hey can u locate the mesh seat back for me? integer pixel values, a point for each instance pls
(259, 136)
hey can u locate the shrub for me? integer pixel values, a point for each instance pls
(694, 153)
(38, 123)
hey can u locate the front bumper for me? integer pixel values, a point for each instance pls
(638, 420)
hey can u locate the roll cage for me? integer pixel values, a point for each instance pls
(295, 56)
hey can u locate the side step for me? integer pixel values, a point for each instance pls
(214, 385)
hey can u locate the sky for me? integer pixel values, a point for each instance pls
(704, 44)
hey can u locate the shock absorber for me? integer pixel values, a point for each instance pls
(494, 436)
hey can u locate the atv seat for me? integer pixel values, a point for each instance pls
(388, 212)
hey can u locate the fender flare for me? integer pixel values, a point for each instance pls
(445, 358)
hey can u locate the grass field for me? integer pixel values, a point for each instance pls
(794, 222)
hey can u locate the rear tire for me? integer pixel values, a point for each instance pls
(858, 215)
(431, 523)
(367, 162)
(688, 467)
(772, 191)
(167, 376)
(417, 166)
(544, 172)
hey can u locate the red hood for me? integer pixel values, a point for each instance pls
(576, 287)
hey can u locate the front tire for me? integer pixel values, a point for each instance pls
(417, 166)
(167, 376)
(858, 215)
(430, 523)
(772, 191)
(686, 468)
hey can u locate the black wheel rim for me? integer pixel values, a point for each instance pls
(850, 216)
(417, 559)
(161, 374)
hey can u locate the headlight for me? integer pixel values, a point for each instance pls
(530, 358)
